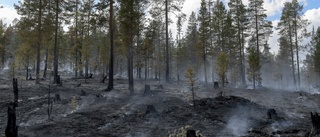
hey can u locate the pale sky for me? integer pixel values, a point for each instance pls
(273, 10)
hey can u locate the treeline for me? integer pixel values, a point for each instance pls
(220, 44)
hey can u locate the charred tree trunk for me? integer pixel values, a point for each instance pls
(15, 91)
(11, 129)
(110, 83)
(167, 44)
(39, 43)
(315, 119)
(45, 64)
(55, 50)
(191, 133)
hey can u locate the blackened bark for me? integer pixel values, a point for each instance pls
(110, 83)
(11, 129)
(55, 51)
(15, 91)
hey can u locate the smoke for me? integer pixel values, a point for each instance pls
(239, 123)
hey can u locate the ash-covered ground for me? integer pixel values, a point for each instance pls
(168, 107)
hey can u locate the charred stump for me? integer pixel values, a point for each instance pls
(147, 89)
(83, 93)
(151, 110)
(30, 77)
(191, 133)
(57, 97)
(272, 114)
(59, 83)
(315, 119)
(15, 91)
(11, 129)
(103, 79)
(216, 85)
(90, 76)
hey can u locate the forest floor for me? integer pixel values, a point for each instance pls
(239, 112)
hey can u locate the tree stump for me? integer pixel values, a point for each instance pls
(30, 77)
(103, 79)
(216, 85)
(315, 120)
(191, 133)
(59, 83)
(272, 114)
(150, 110)
(90, 76)
(146, 89)
(83, 93)
(11, 129)
(15, 91)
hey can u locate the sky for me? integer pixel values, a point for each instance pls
(273, 11)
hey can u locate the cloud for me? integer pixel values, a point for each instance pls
(313, 16)
(274, 7)
(8, 14)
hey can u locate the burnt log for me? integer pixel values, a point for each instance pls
(315, 129)
(216, 85)
(272, 114)
(15, 91)
(11, 129)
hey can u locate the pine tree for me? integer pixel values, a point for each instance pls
(260, 28)
(204, 35)
(110, 83)
(254, 66)
(222, 66)
(128, 16)
(191, 38)
(316, 54)
(239, 14)
(33, 16)
(219, 17)
(299, 26)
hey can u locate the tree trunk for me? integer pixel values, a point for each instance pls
(130, 68)
(167, 44)
(55, 50)
(297, 51)
(292, 56)
(39, 43)
(76, 42)
(46, 64)
(243, 73)
(110, 83)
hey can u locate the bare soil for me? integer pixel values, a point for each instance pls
(239, 112)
